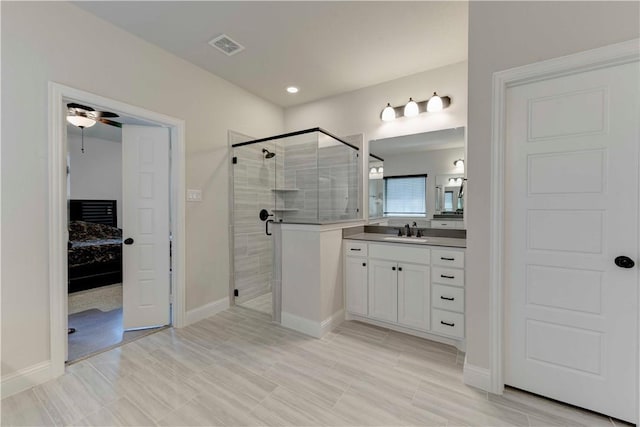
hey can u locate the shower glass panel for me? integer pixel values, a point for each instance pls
(318, 179)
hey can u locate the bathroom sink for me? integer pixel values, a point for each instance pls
(406, 239)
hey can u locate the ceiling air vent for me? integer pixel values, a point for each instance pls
(225, 44)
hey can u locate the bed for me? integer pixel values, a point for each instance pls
(95, 245)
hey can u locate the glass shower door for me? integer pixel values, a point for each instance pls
(254, 181)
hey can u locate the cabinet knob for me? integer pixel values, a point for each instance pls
(393, 268)
(364, 264)
(399, 268)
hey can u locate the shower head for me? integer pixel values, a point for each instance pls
(268, 154)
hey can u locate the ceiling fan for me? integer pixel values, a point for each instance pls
(83, 116)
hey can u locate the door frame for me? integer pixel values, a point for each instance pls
(604, 57)
(58, 227)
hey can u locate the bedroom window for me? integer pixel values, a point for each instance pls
(405, 195)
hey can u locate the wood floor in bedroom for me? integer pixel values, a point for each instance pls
(239, 369)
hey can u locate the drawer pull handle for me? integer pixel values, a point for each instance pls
(447, 298)
(356, 249)
(444, 276)
(447, 259)
(448, 324)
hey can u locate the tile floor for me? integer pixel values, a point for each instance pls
(239, 369)
(263, 304)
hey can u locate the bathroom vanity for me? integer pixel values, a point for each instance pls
(413, 285)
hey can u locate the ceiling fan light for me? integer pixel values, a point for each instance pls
(81, 121)
(388, 113)
(411, 109)
(435, 103)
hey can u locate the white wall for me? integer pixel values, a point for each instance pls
(97, 173)
(433, 163)
(359, 111)
(40, 43)
(503, 35)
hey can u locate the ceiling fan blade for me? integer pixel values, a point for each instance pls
(79, 106)
(103, 114)
(110, 122)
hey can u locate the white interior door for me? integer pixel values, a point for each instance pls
(145, 257)
(571, 205)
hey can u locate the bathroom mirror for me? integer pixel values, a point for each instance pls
(398, 188)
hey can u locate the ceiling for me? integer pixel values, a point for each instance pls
(324, 48)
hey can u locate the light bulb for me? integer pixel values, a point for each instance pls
(388, 113)
(434, 104)
(380, 169)
(411, 109)
(81, 121)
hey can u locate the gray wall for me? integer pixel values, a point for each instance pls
(503, 35)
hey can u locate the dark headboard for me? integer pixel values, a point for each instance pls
(96, 211)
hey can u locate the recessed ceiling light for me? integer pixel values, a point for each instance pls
(292, 89)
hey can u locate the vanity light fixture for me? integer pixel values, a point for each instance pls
(455, 181)
(388, 113)
(413, 108)
(434, 104)
(459, 163)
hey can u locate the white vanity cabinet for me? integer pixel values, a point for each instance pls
(413, 288)
(356, 277)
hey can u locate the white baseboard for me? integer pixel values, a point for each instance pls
(25, 378)
(328, 325)
(309, 327)
(208, 310)
(476, 376)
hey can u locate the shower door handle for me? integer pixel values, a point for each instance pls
(266, 227)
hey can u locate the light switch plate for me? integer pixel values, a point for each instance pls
(194, 195)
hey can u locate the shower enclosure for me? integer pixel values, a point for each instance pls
(304, 177)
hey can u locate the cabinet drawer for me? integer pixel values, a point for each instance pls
(401, 252)
(440, 223)
(447, 276)
(355, 248)
(447, 258)
(447, 297)
(447, 323)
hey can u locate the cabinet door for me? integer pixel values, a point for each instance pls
(383, 290)
(414, 296)
(356, 278)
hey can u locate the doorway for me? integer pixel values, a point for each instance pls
(100, 314)
(174, 167)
